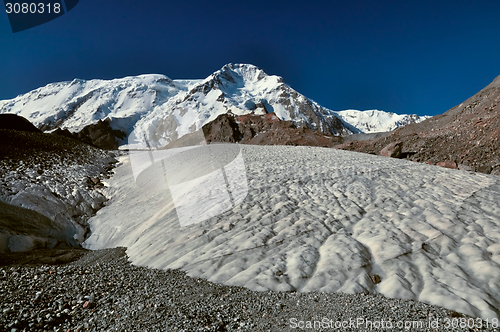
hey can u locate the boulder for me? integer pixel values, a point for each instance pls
(447, 164)
(392, 150)
(484, 169)
(375, 278)
(464, 167)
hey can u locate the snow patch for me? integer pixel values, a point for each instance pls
(374, 121)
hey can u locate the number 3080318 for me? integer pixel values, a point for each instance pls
(33, 8)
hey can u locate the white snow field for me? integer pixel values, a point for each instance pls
(316, 219)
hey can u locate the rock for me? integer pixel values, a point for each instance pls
(447, 164)
(392, 150)
(99, 134)
(375, 278)
(223, 129)
(88, 305)
(38, 295)
(102, 135)
(464, 167)
(266, 129)
(484, 169)
(95, 180)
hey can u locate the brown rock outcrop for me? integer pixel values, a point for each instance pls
(447, 164)
(265, 129)
(392, 150)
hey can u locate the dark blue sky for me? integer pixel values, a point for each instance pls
(400, 56)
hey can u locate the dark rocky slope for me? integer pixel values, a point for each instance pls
(42, 148)
(99, 134)
(49, 186)
(16, 122)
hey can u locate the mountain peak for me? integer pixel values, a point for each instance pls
(239, 72)
(165, 110)
(241, 68)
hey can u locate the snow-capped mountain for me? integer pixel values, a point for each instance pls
(161, 110)
(76, 104)
(374, 121)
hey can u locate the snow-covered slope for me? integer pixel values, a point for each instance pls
(166, 109)
(313, 219)
(162, 110)
(74, 105)
(374, 121)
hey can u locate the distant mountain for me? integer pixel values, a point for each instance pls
(374, 121)
(161, 110)
(466, 136)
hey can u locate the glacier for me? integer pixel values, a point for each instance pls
(315, 219)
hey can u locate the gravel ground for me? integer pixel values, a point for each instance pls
(102, 291)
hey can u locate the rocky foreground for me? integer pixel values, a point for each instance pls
(49, 186)
(102, 291)
(68, 289)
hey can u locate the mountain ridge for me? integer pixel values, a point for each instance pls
(163, 110)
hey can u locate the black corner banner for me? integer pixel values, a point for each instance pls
(70, 4)
(25, 15)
